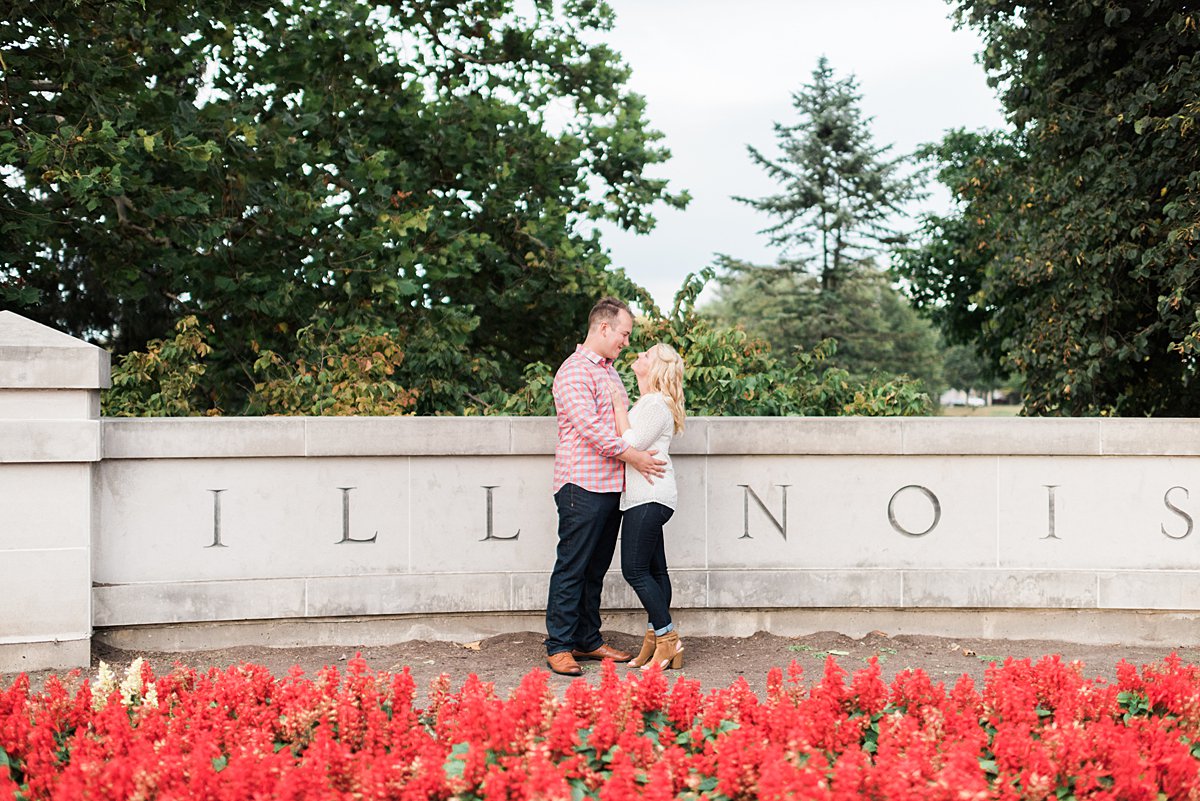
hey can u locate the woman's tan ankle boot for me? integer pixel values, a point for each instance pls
(668, 652)
(647, 650)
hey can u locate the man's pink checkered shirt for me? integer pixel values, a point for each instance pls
(587, 429)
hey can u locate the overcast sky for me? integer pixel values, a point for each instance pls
(718, 75)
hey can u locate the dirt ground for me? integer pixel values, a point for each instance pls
(714, 661)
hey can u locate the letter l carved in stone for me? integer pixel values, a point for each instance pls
(346, 519)
(490, 535)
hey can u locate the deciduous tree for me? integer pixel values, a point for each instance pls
(1073, 252)
(421, 168)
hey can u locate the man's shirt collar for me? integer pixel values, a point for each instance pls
(592, 356)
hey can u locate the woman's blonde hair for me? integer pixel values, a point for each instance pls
(666, 376)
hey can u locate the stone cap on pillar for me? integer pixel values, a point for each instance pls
(35, 356)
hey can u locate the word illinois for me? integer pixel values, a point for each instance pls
(1182, 529)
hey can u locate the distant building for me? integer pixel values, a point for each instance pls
(971, 397)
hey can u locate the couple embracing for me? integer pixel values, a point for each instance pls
(613, 462)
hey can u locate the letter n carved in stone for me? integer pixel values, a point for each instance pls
(779, 523)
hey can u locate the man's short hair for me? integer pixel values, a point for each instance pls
(607, 310)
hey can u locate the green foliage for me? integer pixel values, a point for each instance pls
(344, 372)
(732, 372)
(535, 398)
(837, 190)
(164, 380)
(875, 327)
(324, 371)
(429, 169)
(350, 208)
(1073, 255)
(946, 271)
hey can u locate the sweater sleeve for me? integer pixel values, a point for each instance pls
(653, 419)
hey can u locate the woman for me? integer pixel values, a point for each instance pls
(650, 424)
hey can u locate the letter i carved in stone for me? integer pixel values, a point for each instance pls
(1050, 488)
(216, 541)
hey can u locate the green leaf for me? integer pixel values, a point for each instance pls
(579, 790)
(454, 765)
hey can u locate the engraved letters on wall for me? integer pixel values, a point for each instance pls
(754, 508)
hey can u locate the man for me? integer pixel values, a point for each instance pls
(588, 479)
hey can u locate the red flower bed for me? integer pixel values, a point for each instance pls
(1035, 731)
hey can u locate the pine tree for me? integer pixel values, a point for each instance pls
(838, 191)
(838, 197)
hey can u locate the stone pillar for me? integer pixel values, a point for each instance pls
(49, 446)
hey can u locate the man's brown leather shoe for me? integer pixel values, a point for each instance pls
(564, 664)
(603, 652)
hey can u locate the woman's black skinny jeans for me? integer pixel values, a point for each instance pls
(644, 559)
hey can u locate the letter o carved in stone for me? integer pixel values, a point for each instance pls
(933, 499)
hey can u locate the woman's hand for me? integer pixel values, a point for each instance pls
(616, 393)
(620, 404)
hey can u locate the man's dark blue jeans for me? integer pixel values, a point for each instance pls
(587, 537)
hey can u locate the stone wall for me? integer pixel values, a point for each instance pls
(49, 447)
(1076, 528)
